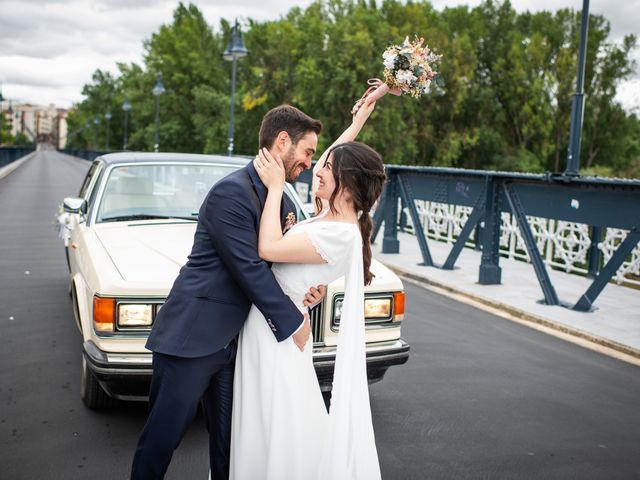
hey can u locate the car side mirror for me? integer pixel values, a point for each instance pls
(75, 205)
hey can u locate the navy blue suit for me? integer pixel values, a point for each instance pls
(193, 336)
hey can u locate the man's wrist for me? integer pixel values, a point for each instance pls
(299, 327)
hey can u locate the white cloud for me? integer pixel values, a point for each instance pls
(50, 48)
(629, 95)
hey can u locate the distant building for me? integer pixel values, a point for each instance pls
(38, 123)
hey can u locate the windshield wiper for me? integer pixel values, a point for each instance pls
(147, 216)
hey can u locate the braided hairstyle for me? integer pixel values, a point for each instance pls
(358, 169)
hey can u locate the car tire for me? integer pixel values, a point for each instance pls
(74, 305)
(66, 254)
(92, 394)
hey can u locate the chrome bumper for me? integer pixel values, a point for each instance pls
(128, 375)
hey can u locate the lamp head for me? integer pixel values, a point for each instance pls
(158, 89)
(235, 48)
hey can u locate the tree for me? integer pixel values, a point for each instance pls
(505, 103)
(5, 130)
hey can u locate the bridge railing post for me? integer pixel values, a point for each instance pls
(490, 271)
(390, 242)
(595, 255)
(477, 238)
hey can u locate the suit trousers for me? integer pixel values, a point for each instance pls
(178, 385)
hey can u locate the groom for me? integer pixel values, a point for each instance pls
(193, 339)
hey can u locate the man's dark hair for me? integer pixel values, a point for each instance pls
(289, 119)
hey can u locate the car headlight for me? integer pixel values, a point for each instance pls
(337, 310)
(378, 308)
(133, 315)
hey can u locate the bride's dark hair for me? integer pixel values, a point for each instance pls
(358, 169)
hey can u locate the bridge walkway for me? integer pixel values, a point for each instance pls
(613, 328)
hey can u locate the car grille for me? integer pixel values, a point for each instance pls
(316, 324)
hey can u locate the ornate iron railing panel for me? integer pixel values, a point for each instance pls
(575, 224)
(564, 245)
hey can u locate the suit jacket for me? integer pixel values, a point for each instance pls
(211, 297)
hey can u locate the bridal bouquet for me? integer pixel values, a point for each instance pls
(408, 68)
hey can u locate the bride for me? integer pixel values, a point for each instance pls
(280, 426)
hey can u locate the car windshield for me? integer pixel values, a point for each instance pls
(138, 192)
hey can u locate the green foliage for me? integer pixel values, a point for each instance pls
(508, 83)
(19, 140)
(5, 130)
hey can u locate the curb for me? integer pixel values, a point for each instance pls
(7, 169)
(526, 318)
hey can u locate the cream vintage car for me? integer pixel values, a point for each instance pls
(127, 234)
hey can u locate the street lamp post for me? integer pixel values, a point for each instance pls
(96, 122)
(126, 106)
(107, 116)
(1, 114)
(158, 90)
(86, 135)
(10, 112)
(577, 105)
(235, 50)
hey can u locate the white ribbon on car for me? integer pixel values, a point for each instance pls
(64, 228)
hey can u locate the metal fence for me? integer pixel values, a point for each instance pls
(581, 225)
(11, 154)
(565, 246)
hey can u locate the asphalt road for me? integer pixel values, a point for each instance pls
(480, 398)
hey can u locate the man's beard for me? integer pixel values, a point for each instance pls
(290, 166)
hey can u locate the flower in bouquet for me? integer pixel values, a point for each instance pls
(408, 68)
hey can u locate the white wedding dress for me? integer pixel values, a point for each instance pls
(280, 427)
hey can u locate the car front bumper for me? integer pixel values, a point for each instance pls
(380, 356)
(127, 376)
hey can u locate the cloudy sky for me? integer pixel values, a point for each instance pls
(49, 48)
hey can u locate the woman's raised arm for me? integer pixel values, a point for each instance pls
(349, 135)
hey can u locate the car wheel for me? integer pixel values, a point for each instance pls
(74, 305)
(92, 394)
(66, 254)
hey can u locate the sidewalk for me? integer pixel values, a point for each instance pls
(613, 328)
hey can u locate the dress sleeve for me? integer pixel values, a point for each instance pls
(332, 240)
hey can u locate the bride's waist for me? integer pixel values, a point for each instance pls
(297, 299)
(296, 294)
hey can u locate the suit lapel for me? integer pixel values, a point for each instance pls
(258, 186)
(286, 207)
